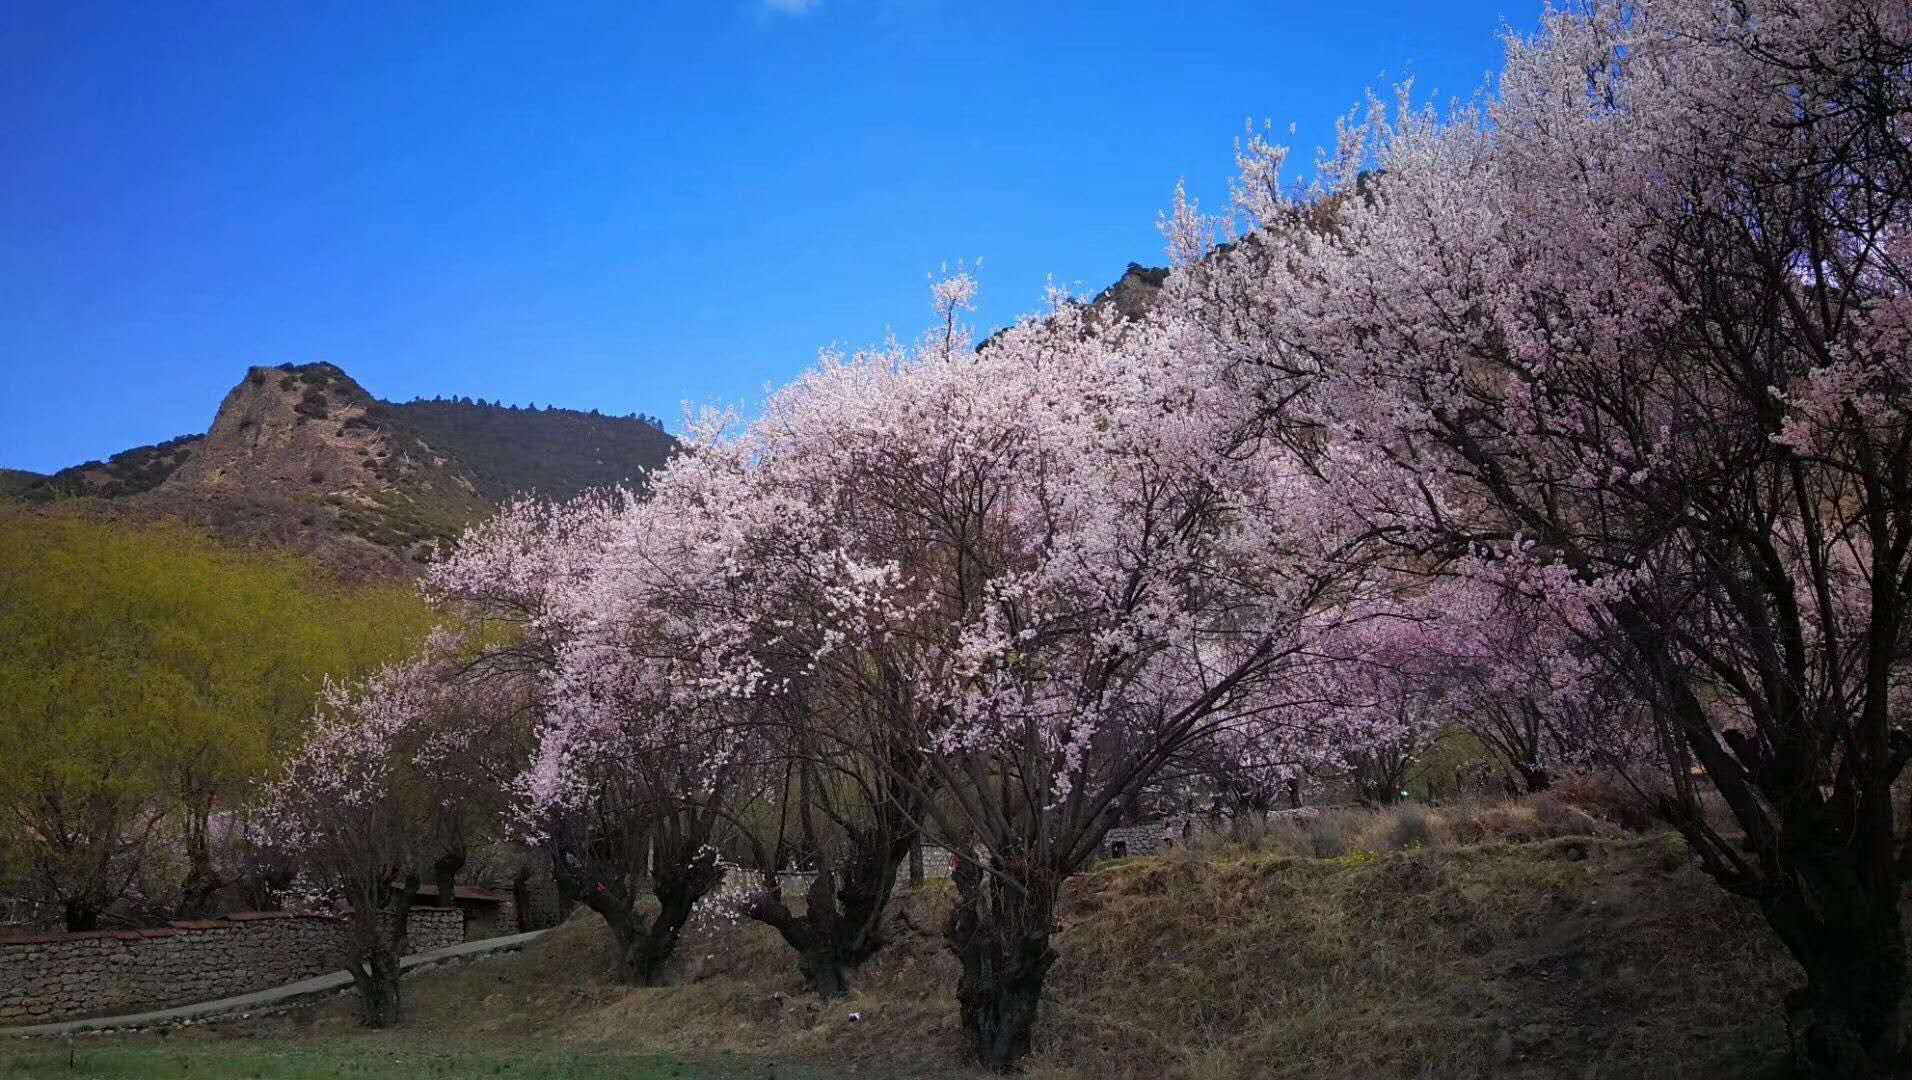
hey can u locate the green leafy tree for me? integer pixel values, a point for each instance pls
(150, 678)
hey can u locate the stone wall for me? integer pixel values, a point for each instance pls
(490, 920)
(48, 977)
(542, 907)
(428, 928)
(740, 881)
(936, 862)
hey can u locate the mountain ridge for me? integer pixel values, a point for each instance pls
(302, 456)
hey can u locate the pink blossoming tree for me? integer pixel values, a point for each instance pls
(352, 807)
(1632, 336)
(638, 773)
(1052, 571)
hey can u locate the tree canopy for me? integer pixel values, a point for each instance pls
(149, 677)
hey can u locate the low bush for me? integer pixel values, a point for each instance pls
(1611, 798)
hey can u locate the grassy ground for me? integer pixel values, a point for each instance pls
(366, 1059)
(1559, 948)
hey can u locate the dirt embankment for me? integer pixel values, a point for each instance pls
(1581, 957)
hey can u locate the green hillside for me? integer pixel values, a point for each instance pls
(15, 481)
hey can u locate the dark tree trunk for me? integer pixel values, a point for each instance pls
(643, 948)
(379, 938)
(195, 893)
(645, 955)
(445, 874)
(1824, 877)
(842, 922)
(375, 974)
(402, 898)
(812, 936)
(916, 863)
(999, 932)
(1849, 1018)
(823, 970)
(1535, 778)
(521, 897)
(82, 915)
(570, 888)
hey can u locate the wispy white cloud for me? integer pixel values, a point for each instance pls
(790, 7)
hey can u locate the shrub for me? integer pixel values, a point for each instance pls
(1609, 798)
(1399, 828)
(1557, 818)
(1330, 836)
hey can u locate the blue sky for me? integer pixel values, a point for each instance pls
(619, 206)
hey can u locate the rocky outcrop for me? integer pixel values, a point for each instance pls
(311, 436)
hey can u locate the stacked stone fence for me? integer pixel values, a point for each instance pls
(50, 977)
(542, 905)
(426, 928)
(490, 920)
(936, 862)
(740, 881)
(488, 912)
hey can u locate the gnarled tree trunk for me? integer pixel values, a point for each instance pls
(1823, 872)
(1000, 932)
(644, 947)
(1849, 1019)
(376, 948)
(375, 974)
(842, 923)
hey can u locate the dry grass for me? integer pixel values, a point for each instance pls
(1576, 957)
(1578, 952)
(1333, 834)
(734, 990)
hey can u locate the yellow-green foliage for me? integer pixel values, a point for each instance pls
(144, 663)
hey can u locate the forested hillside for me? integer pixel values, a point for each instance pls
(14, 481)
(553, 452)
